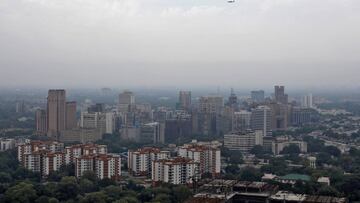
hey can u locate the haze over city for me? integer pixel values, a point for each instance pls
(161, 43)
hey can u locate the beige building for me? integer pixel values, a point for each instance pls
(185, 100)
(41, 122)
(243, 141)
(56, 112)
(71, 121)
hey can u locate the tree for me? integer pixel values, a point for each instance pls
(113, 192)
(232, 169)
(257, 150)
(162, 198)
(68, 188)
(21, 193)
(180, 193)
(87, 186)
(333, 151)
(95, 197)
(236, 157)
(5, 177)
(291, 149)
(250, 174)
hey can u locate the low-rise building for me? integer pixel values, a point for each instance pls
(243, 141)
(7, 144)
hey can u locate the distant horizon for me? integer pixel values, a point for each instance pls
(303, 44)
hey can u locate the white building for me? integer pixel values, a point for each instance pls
(280, 143)
(261, 119)
(208, 157)
(140, 160)
(324, 180)
(7, 144)
(243, 141)
(176, 171)
(307, 101)
(110, 122)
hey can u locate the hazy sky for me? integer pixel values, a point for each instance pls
(182, 43)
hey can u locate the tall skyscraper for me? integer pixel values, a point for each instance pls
(258, 96)
(20, 107)
(41, 122)
(307, 101)
(279, 115)
(56, 112)
(261, 119)
(241, 121)
(71, 121)
(126, 101)
(280, 95)
(185, 100)
(233, 101)
(211, 104)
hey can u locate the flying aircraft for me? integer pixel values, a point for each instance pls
(231, 1)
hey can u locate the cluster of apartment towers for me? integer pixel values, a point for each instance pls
(192, 161)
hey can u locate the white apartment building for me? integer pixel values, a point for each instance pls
(243, 141)
(176, 171)
(110, 122)
(208, 157)
(139, 161)
(83, 164)
(108, 166)
(76, 151)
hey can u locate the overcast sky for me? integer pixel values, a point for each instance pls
(181, 43)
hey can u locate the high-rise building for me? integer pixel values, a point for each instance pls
(241, 121)
(300, 116)
(280, 95)
(140, 160)
(177, 130)
(41, 122)
(126, 101)
(98, 107)
(56, 112)
(243, 141)
(258, 96)
(110, 122)
(261, 119)
(211, 104)
(178, 170)
(279, 115)
(103, 165)
(20, 107)
(208, 157)
(307, 101)
(185, 100)
(71, 121)
(233, 101)
(152, 133)
(41, 156)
